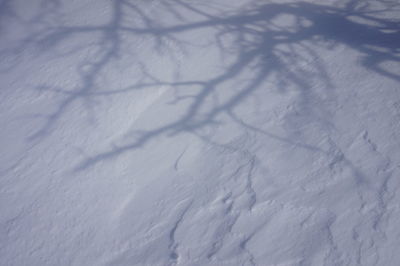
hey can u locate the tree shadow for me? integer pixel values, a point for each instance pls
(268, 48)
(274, 43)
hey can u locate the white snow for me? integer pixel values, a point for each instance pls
(190, 132)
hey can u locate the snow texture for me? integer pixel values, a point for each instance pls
(199, 132)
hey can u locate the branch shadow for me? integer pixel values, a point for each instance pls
(271, 41)
(258, 42)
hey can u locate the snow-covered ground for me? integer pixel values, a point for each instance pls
(199, 132)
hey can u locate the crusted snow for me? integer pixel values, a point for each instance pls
(192, 132)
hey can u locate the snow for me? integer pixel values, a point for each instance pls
(188, 132)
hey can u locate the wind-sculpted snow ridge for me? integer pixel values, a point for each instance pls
(193, 132)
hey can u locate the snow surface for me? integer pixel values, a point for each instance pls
(199, 132)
